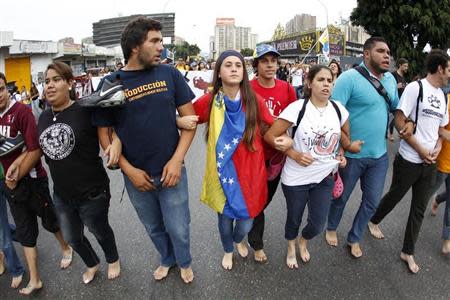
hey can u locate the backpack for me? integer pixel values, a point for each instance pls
(420, 100)
(302, 113)
(378, 87)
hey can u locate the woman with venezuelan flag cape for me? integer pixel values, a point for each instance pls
(307, 175)
(235, 178)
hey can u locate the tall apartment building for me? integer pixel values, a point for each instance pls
(229, 36)
(107, 32)
(301, 23)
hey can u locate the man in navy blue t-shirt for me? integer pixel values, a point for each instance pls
(153, 150)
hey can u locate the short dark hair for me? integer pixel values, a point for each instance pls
(370, 43)
(255, 62)
(135, 34)
(436, 58)
(2, 76)
(401, 61)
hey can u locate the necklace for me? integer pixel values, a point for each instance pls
(320, 111)
(56, 114)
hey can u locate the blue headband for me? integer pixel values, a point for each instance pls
(228, 53)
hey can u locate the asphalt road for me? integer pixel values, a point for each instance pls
(331, 273)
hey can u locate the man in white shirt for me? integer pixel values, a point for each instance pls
(415, 163)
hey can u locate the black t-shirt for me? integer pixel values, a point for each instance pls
(71, 148)
(146, 124)
(402, 80)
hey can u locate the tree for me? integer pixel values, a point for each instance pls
(184, 50)
(407, 26)
(247, 52)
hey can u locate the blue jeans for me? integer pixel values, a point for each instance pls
(372, 173)
(92, 212)
(166, 218)
(13, 264)
(318, 197)
(230, 234)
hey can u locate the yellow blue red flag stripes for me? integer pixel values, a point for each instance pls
(221, 188)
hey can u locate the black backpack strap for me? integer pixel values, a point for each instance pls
(375, 83)
(419, 100)
(300, 117)
(338, 111)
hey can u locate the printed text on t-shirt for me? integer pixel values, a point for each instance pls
(146, 89)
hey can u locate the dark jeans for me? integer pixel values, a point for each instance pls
(422, 179)
(91, 212)
(318, 197)
(255, 236)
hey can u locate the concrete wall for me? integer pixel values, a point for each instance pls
(3, 54)
(39, 63)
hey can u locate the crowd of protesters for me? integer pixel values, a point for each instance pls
(314, 128)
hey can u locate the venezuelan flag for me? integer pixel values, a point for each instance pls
(221, 189)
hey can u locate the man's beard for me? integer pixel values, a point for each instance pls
(145, 63)
(378, 68)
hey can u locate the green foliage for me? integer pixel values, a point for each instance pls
(247, 52)
(406, 22)
(184, 50)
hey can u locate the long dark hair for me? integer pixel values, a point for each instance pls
(249, 102)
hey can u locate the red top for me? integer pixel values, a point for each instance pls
(250, 166)
(276, 98)
(19, 118)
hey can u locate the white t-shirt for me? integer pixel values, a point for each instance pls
(432, 115)
(318, 134)
(297, 77)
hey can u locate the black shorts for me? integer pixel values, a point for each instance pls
(29, 200)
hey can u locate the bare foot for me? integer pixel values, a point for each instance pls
(31, 288)
(227, 261)
(331, 238)
(355, 250)
(114, 270)
(434, 207)
(375, 231)
(446, 247)
(242, 249)
(409, 260)
(2, 263)
(160, 273)
(16, 281)
(304, 253)
(260, 256)
(89, 275)
(187, 274)
(291, 259)
(67, 257)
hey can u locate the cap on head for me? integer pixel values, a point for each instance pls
(263, 49)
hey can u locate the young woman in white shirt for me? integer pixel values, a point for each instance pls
(307, 176)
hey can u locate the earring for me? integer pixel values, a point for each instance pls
(70, 88)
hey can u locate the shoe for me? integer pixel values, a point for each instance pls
(9, 145)
(111, 94)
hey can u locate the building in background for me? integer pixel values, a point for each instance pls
(301, 23)
(107, 32)
(229, 36)
(25, 60)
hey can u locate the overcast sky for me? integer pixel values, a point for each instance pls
(194, 20)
